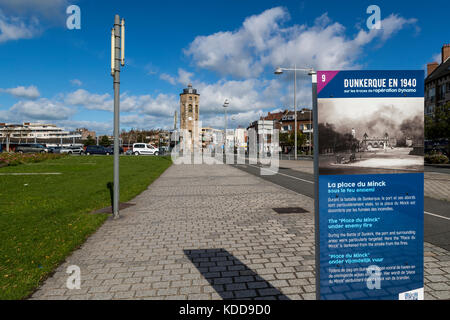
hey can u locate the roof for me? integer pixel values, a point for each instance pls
(441, 71)
(302, 115)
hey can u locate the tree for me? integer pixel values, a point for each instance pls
(287, 139)
(438, 126)
(89, 142)
(104, 141)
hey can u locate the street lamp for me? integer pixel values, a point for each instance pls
(225, 106)
(310, 123)
(279, 71)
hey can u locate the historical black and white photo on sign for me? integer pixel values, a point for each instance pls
(378, 135)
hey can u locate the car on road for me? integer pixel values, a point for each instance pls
(72, 150)
(144, 149)
(54, 149)
(31, 148)
(120, 149)
(129, 152)
(98, 150)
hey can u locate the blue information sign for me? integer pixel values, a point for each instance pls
(370, 184)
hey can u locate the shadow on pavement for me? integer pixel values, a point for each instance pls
(231, 278)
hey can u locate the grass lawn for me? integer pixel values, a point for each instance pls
(45, 217)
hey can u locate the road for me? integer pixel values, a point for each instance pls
(437, 212)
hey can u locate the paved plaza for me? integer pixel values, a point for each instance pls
(209, 232)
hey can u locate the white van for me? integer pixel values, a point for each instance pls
(142, 149)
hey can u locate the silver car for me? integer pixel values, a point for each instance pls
(72, 150)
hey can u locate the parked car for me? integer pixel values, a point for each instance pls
(72, 150)
(31, 148)
(54, 149)
(120, 149)
(98, 150)
(129, 152)
(144, 149)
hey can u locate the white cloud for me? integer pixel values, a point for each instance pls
(26, 19)
(15, 28)
(76, 82)
(243, 95)
(437, 57)
(162, 105)
(168, 78)
(30, 92)
(52, 10)
(100, 127)
(389, 26)
(184, 77)
(263, 41)
(42, 109)
(89, 100)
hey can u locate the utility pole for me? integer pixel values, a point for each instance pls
(117, 59)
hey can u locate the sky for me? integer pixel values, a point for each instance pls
(226, 49)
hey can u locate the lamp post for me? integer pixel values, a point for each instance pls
(225, 106)
(310, 128)
(310, 71)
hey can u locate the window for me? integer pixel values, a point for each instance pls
(190, 108)
(431, 94)
(441, 92)
(448, 86)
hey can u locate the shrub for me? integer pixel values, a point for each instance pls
(14, 159)
(436, 159)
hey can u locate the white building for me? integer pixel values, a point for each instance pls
(31, 131)
(240, 138)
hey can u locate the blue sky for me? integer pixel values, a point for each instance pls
(227, 49)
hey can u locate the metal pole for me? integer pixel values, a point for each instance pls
(316, 179)
(263, 137)
(226, 125)
(295, 109)
(116, 114)
(310, 128)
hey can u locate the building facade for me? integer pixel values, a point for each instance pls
(85, 133)
(437, 82)
(285, 122)
(264, 130)
(29, 132)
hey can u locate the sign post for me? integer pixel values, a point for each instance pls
(369, 138)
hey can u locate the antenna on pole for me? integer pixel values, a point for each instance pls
(122, 46)
(175, 120)
(113, 58)
(117, 59)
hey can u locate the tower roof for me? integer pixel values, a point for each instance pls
(189, 90)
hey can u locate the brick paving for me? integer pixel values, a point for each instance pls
(209, 232)
(437, 185)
